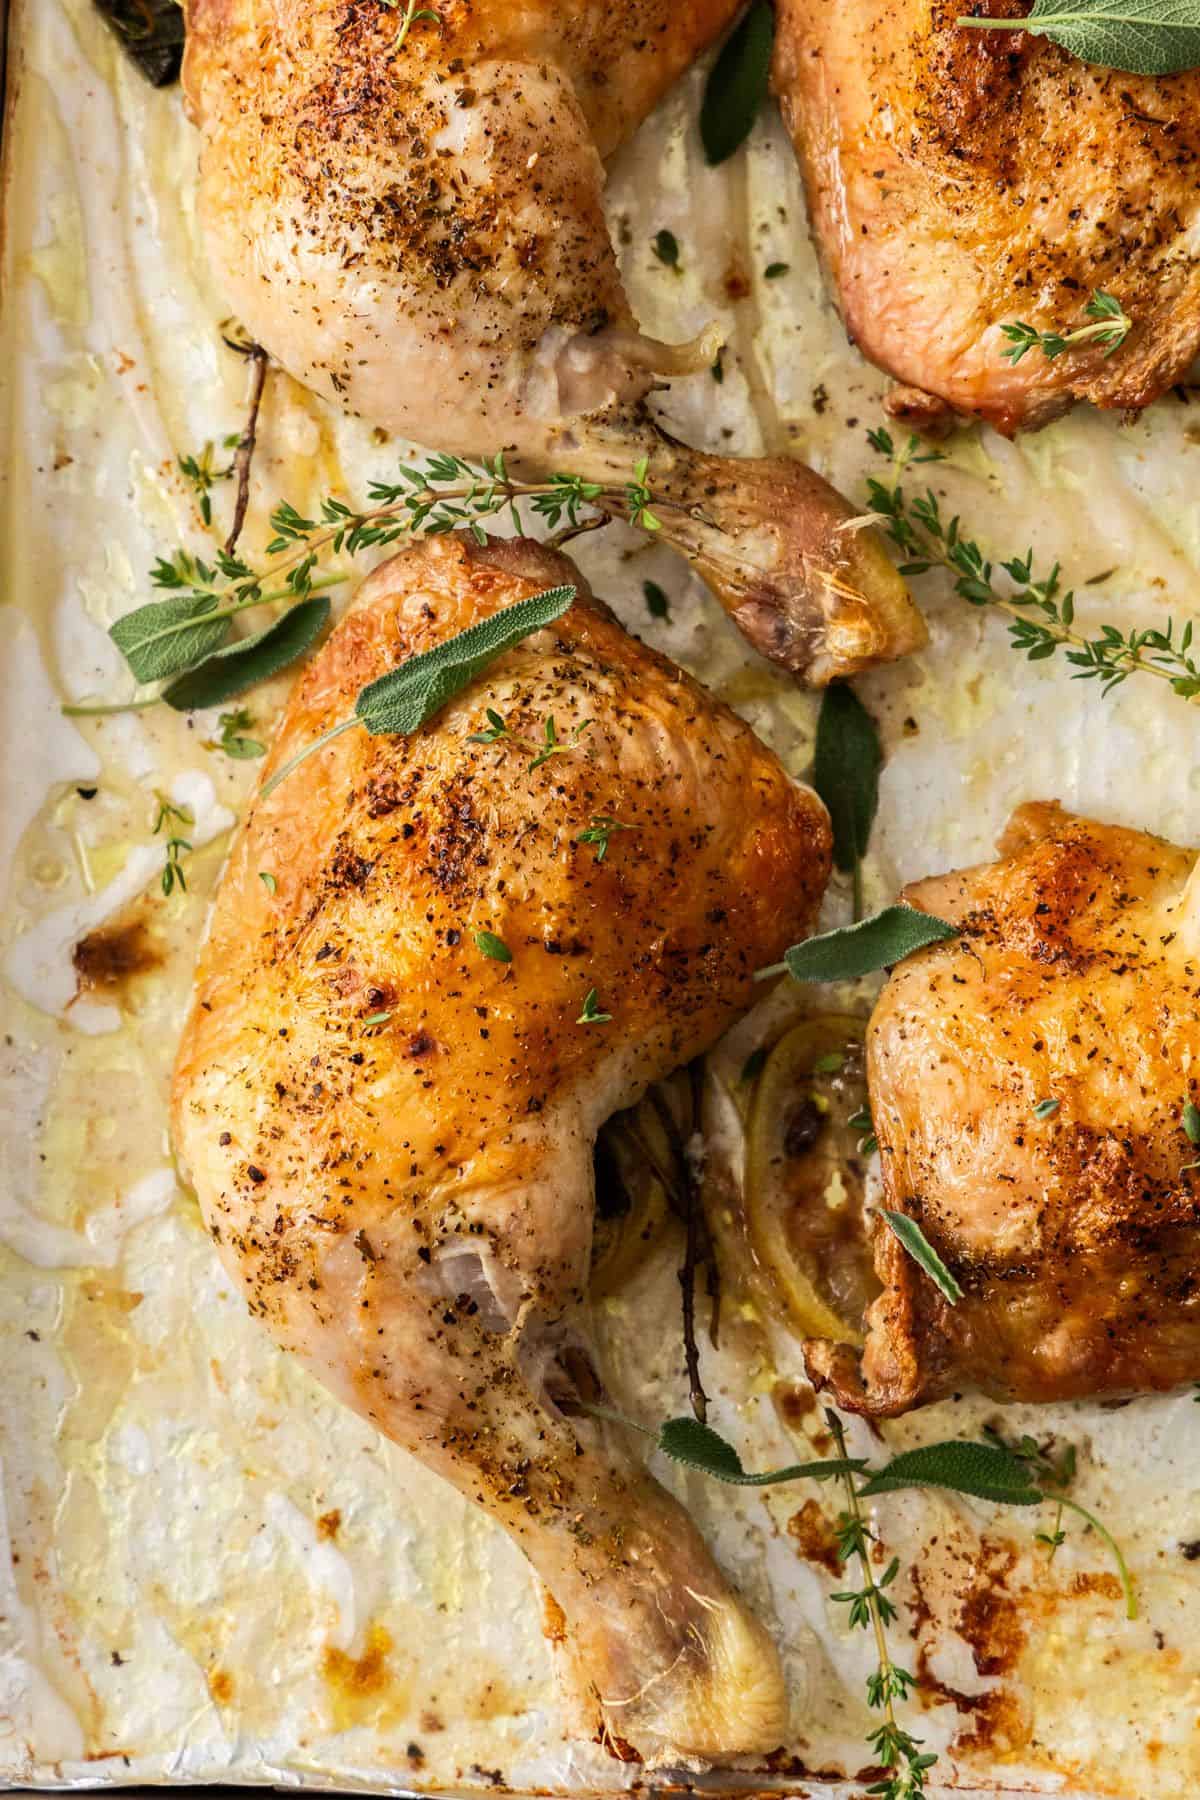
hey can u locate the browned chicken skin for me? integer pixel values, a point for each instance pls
(1075, 1235)
(959, 179)
(391, 1132)
(415, 230)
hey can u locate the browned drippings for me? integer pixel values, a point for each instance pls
(220, 1686)
(815, 1537)
(112, 954)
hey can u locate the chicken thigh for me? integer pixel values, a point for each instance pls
(411, 222)
(390, 1127)
(1028, 1086)
(960, 179)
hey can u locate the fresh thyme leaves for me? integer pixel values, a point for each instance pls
(170, 637)
(846, 776)
(411, 15)
(854, 950)
(496, 730)
(657, 604)
(986, 1471)
(1022, 1475)
(666, 248)
(1110, 327)
(233, 741)
(246, 661)
(202, 477)
(897, 1751)
(1043, 617)
(774, 270)
(376, 1018)
(1143, 37)
(1046, 1109)
(913, 1240)
(599, 831)
(268, 881)
(737, 83)
(169, 816)
(408, 696)
(553, 745)
(591, 1014)
(493, 947)
(540, 752)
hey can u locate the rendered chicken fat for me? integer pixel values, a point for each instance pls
(407, 1201)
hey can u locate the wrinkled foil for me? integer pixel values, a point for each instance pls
(216, 1574)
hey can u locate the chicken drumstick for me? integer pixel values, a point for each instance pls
(390, 1129)
(411, 222)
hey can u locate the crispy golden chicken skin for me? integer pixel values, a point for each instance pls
(391, 1131)
(960, 179)
(413, 226)
(1028, 1082)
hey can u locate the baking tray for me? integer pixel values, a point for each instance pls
(218, 1575)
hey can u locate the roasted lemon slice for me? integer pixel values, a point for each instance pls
(804, 1179)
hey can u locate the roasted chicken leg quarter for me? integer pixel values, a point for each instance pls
(962, 179)
(390, 1126)
(1028, 1083)
(411, 222)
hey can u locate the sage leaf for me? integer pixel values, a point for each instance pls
(737, 83)
(166, 636)
(913, 1239)
(846, 771)
(239, 665)
(854, 950)
(406, 698)
(985, 1471)
(698, 1446)
(1143, 37)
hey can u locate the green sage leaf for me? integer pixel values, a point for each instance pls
(913, 1239)
(985, 1471)
(698, 1446)
(166, 636)
(846, 771)
(1143, 37)
(238, 666)
(406, 698)
(854, 950)
(737, 83)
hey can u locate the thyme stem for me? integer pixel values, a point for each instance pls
(244, 455)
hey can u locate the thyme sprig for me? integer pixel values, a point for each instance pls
(1110, 326)
(171, 816)
(896, 1750)
(1042, 614)
(1024, 1474)
(184, 632)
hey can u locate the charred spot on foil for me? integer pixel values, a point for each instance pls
(112, 954)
